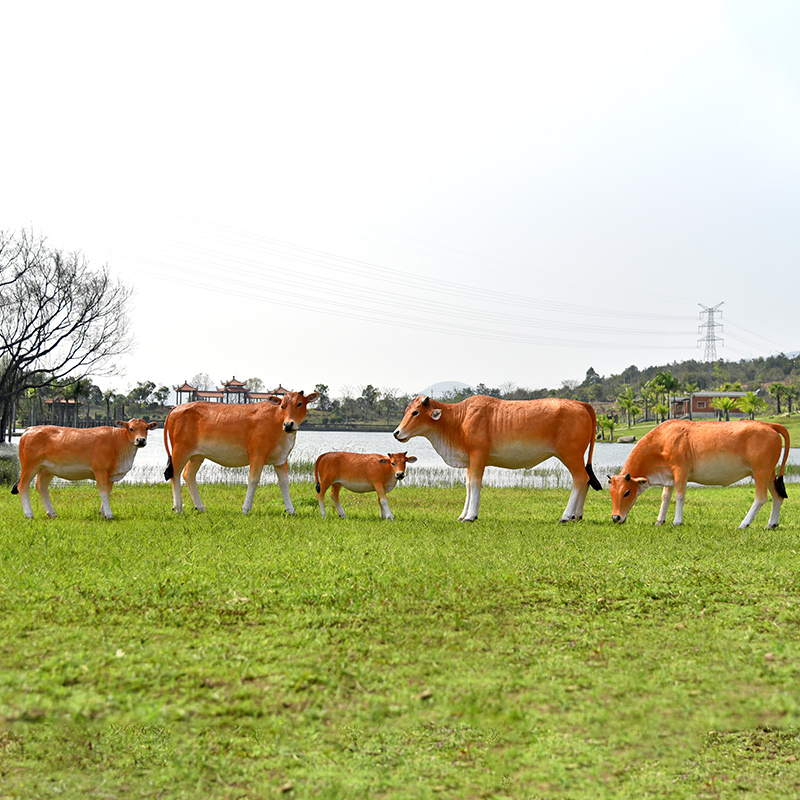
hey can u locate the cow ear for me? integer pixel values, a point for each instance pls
(120, 424)
(152, 426)
(383, 461)
(276, 401)
(310, 398)
(643, 482)
(436, 413)
(410, 459)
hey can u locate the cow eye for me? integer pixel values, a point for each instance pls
(299, 405)
(627, 493)
(415, 414)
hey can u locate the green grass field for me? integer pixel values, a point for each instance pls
(223, 656)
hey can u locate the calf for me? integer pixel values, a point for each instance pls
(705, 452)
(360, 473)
(103, 454)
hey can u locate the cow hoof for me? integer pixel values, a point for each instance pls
(772, 527)
(659, 523)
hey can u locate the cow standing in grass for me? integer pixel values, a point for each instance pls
(482, 432)
(706, 452)
(359, 473)
(104, 455)
(253, 434)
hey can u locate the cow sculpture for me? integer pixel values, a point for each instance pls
(517, 434)
(102, 454)
(233, 436)
(359, 473)
(706, 452)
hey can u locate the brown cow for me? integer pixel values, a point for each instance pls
(706, 452)
(233, 436)
(103, 454)
(360, 473)
(517, 434)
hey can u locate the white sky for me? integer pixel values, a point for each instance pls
(405, 193)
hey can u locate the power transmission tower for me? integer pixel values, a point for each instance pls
(709, 328)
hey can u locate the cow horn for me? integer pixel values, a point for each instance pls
(627, 476)
(426, 401)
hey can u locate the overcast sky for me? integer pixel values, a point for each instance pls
(404, 193)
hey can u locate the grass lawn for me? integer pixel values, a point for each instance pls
(226, 656)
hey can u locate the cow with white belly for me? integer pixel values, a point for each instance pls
(705, 452)
(253, 434)
(103, 454)
(517, 434)
(360, 473)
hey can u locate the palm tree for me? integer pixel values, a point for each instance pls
(778, 391)
(662, 410)
(627, 402)
(752, 404)
(725, 405)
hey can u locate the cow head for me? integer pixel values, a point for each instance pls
(293, 407)
(398, 462)
(420, 416)
(624, 491)
(137, 430)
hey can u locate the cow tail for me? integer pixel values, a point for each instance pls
(15, 488)
(593, 482)
(316, 474)
(780, 486)
(169, 471)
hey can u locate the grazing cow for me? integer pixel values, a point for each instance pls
(706, 452)
(104, 454)
(233, 436)
(484, 431)
(360, 473)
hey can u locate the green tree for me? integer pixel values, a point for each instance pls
(627, 402)
(752, 404)
(724, 405)
(778, 391)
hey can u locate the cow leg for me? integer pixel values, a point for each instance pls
(680, 496)
(666, 496)
(104, 487)
(335, 489)
(580, 489)
(190, 477)
(777, 501)
(43, 486)
(474, 484)
(282, 471)
(24, 489)
(323, 487)
(761, 498)
(383, 502)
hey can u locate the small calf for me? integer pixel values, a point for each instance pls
(359, 473)
(104, 454)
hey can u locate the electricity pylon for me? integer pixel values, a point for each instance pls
(710, 328)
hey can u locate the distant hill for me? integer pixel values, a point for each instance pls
(437, 390)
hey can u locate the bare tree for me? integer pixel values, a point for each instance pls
(58, 318)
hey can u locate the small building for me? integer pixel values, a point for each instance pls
(232, 391)
(698, 405)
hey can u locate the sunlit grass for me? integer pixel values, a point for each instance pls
(220, 655)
